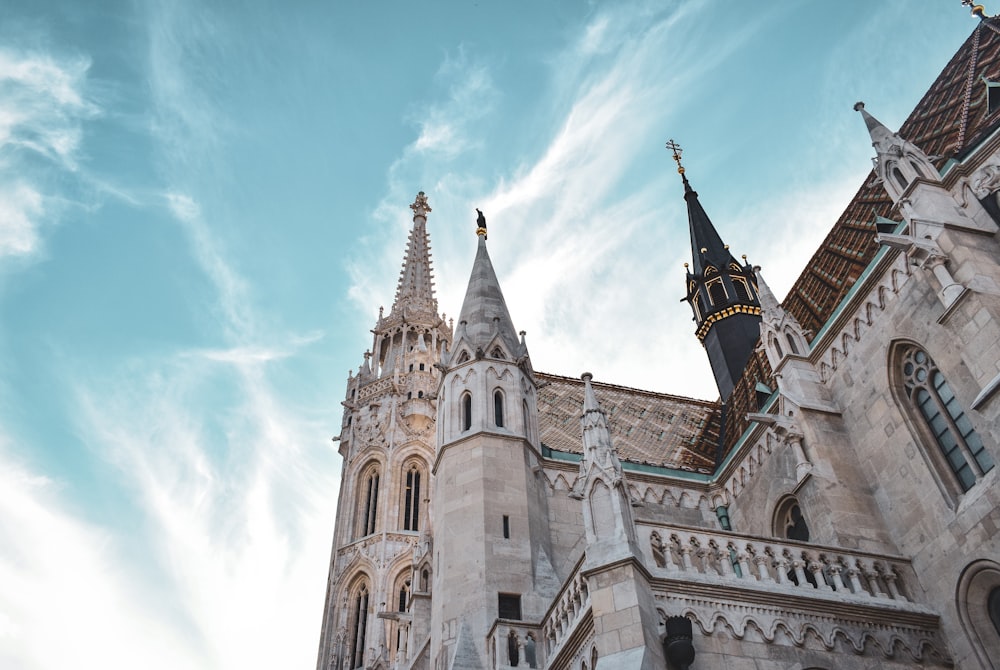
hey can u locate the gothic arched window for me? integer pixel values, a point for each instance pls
(789, 522)
(498, 408)
(411, 497)
(742, 289)
(898, 175)
(467, 411)
(368, 501)
(943, 417)
(791, 343)
(717, 292)
(359, 625)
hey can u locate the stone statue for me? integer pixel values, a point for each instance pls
(481, 220)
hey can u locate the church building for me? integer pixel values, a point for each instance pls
(837, 506)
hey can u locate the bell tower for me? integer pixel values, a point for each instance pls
(721, 293)
(373, 600)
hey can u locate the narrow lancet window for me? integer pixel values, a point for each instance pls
(411, 499)
(369, 502)
(466, 411)
(498, 408)
(359, 622)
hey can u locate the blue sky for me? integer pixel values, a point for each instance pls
(202, 206)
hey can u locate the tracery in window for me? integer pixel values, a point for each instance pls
(359, 625)
(368, 501)
(717, 292)
(789, 521)
(411, 497)
(936, 404)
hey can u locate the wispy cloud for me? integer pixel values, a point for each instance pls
(43, 106)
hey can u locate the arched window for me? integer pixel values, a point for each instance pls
(943, 417)
(529, 650)
(717, 292)
(777, 347)
(898, 175)
(978, 600)
(789, 521)
(791, 343)
(512, 649)
(498, 408)
(467, 411)
(359, 625)
(742, 290)
(368, 501)
(411, 498)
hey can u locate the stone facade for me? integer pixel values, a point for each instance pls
(849, 522)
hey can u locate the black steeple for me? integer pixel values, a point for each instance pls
(721, 292)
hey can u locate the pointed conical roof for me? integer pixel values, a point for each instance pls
(769, 305)
(703, 235)
(484, 311)
(881, 136)
(596, 436)
(416, 280)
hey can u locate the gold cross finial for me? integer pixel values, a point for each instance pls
(676, 149)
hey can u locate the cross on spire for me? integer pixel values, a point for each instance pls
(677, 150)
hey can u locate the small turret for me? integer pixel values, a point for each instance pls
(780, 332)
(898, 162)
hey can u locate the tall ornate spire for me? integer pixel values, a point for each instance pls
(415, 290)
(721, 293)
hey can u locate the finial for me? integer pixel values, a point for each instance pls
(420, 206)
(977, 10)
(586, 376)
(481, 224)
(676, 149)
(686, 265)
(858, 106)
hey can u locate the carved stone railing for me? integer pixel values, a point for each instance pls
(568, 609)
(688, 552)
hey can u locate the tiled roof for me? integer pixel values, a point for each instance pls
(951, 118)
(651, 428)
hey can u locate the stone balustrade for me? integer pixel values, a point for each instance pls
(686, 553)
(566, 612)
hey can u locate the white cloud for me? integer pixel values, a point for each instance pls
(42, 108)
(66, 597)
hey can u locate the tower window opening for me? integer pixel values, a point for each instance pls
(498, 408)
(467, 411)
(409, 395)
(403, 593)
(421, 366)
(506, 527)
(411, 367)
(898, 175)
(717, 292)
(359, 626)
(369, 512)
(420, 394)
(957, 440)
(509, 606)
(411, 499)
(742, 290)
(791, 344)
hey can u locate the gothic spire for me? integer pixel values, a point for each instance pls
(484, 312)
(898, 162)
(416, 280)
(719, 290)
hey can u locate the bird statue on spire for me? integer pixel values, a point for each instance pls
(480, 223)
